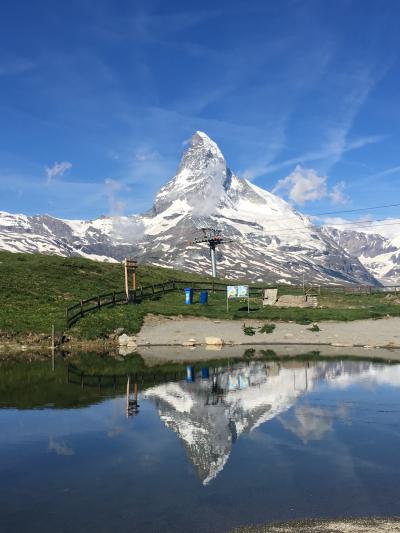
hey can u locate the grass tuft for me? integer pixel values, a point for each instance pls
(248, 330)
(267, 328)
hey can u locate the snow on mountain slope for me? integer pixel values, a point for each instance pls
(379, 253)
(271, 241)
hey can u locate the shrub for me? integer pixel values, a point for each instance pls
(267, 328)
(248, 330)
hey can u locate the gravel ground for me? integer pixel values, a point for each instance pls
(176, 330)
(350, 525)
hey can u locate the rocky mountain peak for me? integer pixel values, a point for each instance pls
(202, 150)
(202, 177)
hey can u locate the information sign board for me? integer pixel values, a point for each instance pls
(237, 291)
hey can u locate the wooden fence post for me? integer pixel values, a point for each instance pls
(113, 300)
(82, 308)
(98, 302)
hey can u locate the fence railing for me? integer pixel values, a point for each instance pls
(89, 305)
(76, 376)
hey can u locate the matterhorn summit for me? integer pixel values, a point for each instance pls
(201, 181)
(270, 241)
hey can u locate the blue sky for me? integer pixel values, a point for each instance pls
(98, 97)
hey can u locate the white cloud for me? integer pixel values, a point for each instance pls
(113, 187)
(144, 154)
(303, 185)
(306, 185)
(59, 447)
(57, 170)
(309, 423)
(337, 194)
(129, 230)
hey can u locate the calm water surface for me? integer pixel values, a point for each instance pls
(252, 443)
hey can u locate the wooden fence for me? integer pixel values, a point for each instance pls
(84, 307)
(76, 376)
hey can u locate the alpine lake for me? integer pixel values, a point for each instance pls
(208, 448)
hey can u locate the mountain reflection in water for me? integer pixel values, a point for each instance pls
(209, 415)
(265, 440)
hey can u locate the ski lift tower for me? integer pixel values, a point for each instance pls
(213, 238)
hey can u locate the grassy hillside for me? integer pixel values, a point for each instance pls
(36, 289)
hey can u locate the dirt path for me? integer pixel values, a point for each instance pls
(178, 330)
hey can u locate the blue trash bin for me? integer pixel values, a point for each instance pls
(203, 297)
(190, 376)
(205, 373)
(188, 296)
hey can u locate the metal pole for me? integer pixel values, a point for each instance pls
(213, 262)
(126, 280)
(127, 396)
(52, 348)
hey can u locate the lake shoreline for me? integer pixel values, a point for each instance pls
(158, 330)
(378, 336)
(341, 525)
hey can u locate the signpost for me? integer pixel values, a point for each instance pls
(237, 291)
(130, 266)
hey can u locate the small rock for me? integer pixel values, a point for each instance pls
(123, 339)
(119, 331)
(188, 343)
(214, 341)
(342, 344)
(124, 351)
(214, 347)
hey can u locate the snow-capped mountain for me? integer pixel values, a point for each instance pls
(380, 254)
(270, 240)
(210, 415)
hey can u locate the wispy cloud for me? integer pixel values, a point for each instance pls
(338, 195)
(112, 188)
(326, 152)
(59, 447)
(57, 170)
(145, 154)
(16, 66)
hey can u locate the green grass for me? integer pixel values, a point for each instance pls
(36, 289)
(267, 328)
(33, 384)
(248, 330)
